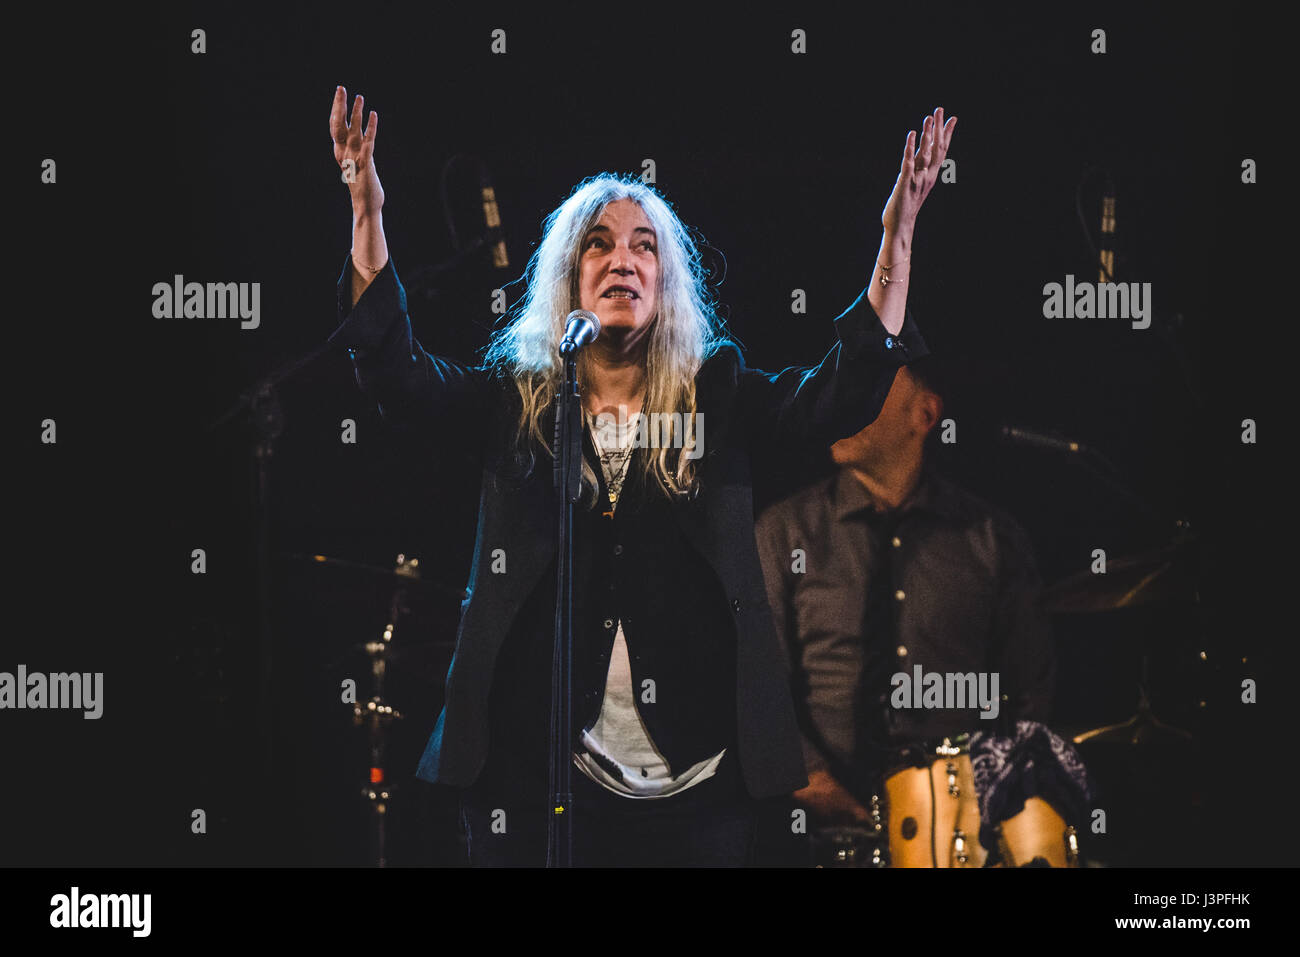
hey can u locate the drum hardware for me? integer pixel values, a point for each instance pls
(845, 851)
(1144, 719)
(848, 847)
(953, 789)
(404, 572)
(1165, 576)
(377, 715)
(1071, 846)
(1162, 576)
(959, 847)
(950, 751)
(853, 845)
(408, 589)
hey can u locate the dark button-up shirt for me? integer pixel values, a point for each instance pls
(945, 581)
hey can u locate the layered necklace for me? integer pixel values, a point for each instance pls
(614, 452)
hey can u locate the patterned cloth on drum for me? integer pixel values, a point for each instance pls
(1033, 761)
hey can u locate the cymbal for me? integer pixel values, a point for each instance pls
(404, 571)
(1164, 576)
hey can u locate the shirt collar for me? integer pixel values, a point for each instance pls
(932, 494)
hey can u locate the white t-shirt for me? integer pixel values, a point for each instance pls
(629, 763)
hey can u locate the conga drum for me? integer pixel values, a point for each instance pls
(934, 813)
(1037, 835)
(933, 820)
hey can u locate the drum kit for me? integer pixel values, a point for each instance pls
(928, 815)
(374, 712)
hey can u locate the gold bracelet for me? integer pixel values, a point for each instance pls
(885, 280)
(370, 269)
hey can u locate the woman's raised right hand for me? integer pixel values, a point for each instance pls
(355, 152)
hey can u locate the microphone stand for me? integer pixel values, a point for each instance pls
(424, 280)
(568, 484)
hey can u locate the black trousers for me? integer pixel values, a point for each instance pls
(713, 824)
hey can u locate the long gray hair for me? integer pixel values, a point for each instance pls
(684, 331)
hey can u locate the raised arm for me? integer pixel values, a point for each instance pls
(917, 174)
(841, 396)
(354, 151)
(415, 391)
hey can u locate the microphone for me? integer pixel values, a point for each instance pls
(492, 216)
(1041, 440)
(580, 328)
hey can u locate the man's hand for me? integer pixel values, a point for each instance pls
(356, 152)
(918, 173)
(829, 802)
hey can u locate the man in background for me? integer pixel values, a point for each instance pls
(885, 566)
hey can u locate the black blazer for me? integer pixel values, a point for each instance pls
(755, 424)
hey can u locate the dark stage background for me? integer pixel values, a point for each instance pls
(219, 167)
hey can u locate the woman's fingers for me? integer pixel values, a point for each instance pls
(927, 149)
(338, 125)
(354, 127)
(368, 141)
(350, 139)
(935, 150)
(945, 138)
(937, 125)
(943, 133)
(923, 156)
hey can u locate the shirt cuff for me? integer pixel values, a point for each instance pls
(864, 336)
(364, 327)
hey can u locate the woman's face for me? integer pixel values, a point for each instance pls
(620, 269)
